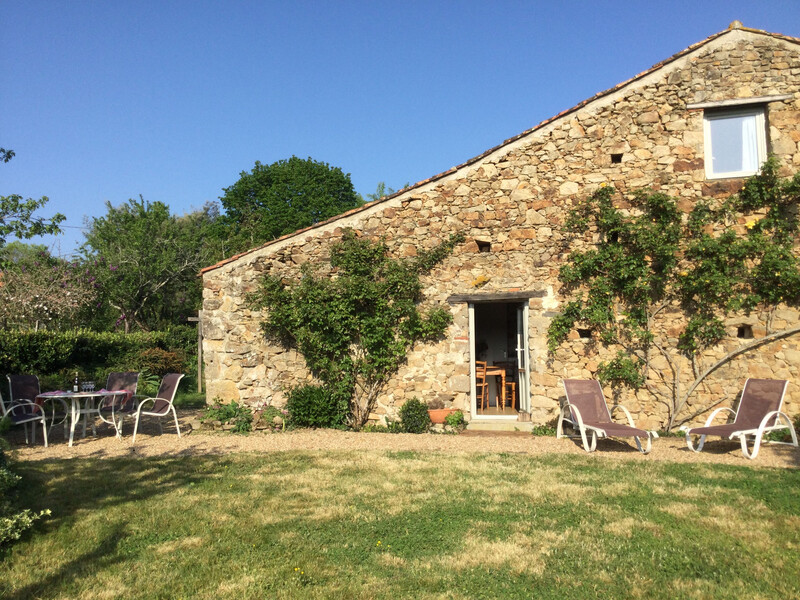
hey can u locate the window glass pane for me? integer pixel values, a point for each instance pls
(734, 144)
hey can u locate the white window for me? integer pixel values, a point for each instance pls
(735, 142)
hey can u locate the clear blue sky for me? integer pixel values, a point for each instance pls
(104, 101)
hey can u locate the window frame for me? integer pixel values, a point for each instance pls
(759, 112)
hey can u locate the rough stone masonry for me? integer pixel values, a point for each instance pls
(511, 203)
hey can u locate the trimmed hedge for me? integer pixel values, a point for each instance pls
(55, 355)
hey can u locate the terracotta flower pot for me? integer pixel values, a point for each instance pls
(438, 415)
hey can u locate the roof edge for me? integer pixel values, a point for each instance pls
(734, 26)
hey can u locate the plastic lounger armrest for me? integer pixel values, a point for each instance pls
(578, 420)
(627, 414)
(763, 427)
(711, 417)
(140, 406)
(687, 428)
(566, 415)
(759, 433)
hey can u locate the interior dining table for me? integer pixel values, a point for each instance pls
(75, 399)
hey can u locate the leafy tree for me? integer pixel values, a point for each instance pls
(382, 190)
(16, 214)
(651, 265)
(356, 326)
(146, 261)
(40, 290)
(212, 229)
(21, 253)
(273, 200)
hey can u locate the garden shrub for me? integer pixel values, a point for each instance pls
(414, 416)
(55, 356)
(315, 406)
(148, 384)
(160, 362)
(233, 413)
(13, 520)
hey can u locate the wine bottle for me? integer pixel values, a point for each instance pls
(75, 385)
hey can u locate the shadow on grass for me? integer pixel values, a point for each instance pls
(103, 555)
(610, 445)
(713, 447)
(101, 482)
(723, 447)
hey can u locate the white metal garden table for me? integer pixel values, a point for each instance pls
(76, 410)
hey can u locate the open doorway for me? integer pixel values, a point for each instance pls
(500, 370)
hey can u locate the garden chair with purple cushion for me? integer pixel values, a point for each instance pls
(586, 410)
(23, 410)
(26, 387)
(161, 404)
(759, 412)
(111, 407)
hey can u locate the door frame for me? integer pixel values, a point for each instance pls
(524, 374)
(523, 390)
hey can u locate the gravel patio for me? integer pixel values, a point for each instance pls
(200, 442)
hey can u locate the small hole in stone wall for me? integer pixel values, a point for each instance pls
(484, 246)
(584, 334)
(616, 158)
(744, 332)
(613, 237)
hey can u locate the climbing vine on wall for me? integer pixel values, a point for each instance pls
(650, 260)
(355, 325)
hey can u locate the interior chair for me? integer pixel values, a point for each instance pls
(160, 405)
(23, 411)
(511, 393)
(586, 410)
(481, 385)
(111, 408)
(510, 385)
(759, 412)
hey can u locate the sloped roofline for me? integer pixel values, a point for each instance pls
(735, 26)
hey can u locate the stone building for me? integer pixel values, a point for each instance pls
(735, 97)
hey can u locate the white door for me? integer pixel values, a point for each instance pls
(472, 388)
(523, 357)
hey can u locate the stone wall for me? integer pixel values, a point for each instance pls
(515, 198)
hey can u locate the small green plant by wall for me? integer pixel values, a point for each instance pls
(455, 421)
(414, 416)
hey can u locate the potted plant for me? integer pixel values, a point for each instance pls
(437, 411)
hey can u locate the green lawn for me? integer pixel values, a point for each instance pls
(405, 525)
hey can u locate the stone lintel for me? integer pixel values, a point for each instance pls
(739, 102)
(496, 297)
